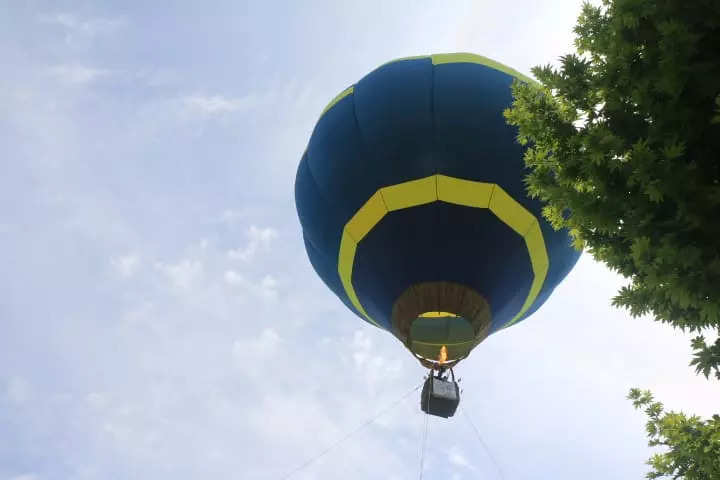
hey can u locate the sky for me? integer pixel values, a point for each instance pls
(159, 318)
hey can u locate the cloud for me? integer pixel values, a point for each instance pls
(96, 400)
(230, 217)
(362, 348)
(455, 457)
(17, 390)
(268, 282)
(371, 360)
(25, 476)
(146, 381)
(259, 239)
(76, 24)
(244, 351)
(234, 278)
(126, 265)
(265, 289)
(182, 274)
(76, 74)
(219, 104)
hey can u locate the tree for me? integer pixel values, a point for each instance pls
(624, 149)
(693, 445)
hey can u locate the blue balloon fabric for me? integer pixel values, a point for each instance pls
(412, 200)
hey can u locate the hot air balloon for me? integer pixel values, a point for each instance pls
(414, 212)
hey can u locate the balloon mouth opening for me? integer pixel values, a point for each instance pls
(441, 337)
(431, 315)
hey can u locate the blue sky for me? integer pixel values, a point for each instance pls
(158, 315)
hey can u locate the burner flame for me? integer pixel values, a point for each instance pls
(442, 356)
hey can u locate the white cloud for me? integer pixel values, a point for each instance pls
(219, 104)
(66, 20)
(266, 288)
(76, 74)
(26, 476)
(158, 77)
(244, 351)
(455, 457)
(234, 278)
(96, 400)
(269, 282)
(84, 26)
(182, 274)
(17, 390)
(156, 383)
(362, 348)
(126, 265)
(230, 217)
(259, 239)
(361, 340)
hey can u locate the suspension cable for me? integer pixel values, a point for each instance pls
(347, 436)
(482, 442)
(425, 432)
(424, 442)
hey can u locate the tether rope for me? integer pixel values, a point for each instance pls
(482, 442)
(347, 436)
(425, 433)
(424, 442)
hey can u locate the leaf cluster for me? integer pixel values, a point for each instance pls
(691, 446)
(623, 146)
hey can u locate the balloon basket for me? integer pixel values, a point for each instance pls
(440, 396)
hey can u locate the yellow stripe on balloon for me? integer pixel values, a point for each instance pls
(410, 194)
(367, 217)
(437, 315)
(462, 57)
(444, 59)
(464, 192)
(458, 191)
(340, 96)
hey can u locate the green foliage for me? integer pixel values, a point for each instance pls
(691, 445)
(624, 148)
(706, 359)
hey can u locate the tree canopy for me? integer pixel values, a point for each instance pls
(692, 445)
(624, 148)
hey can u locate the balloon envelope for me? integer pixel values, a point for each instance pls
(413, 206)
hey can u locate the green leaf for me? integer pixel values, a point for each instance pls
(691, 445)
(639, 172)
